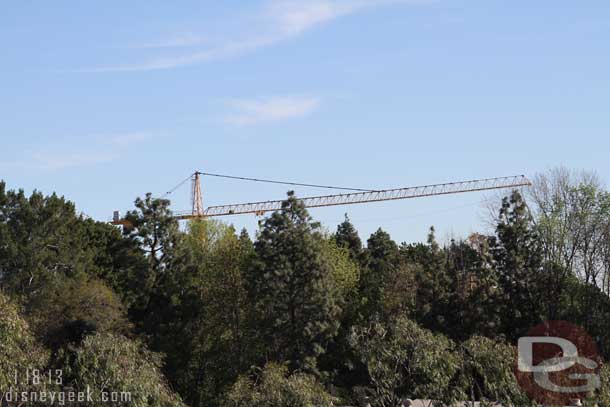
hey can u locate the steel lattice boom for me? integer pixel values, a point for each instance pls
(361, 197)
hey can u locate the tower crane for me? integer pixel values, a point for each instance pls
(356, 196)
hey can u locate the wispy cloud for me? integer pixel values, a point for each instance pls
(280, 19)
(177, 41)
(126, 139)
(61, 160)
(225, 50)
(272, 109)
(77, 153)
(294, 17)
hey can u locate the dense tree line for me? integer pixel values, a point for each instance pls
(207, 316)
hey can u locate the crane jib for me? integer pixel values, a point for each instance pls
(363, 197)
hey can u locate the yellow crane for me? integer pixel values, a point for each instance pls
(357, 196)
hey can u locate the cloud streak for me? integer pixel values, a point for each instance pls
(102, 149)
(281, 20)
(59, 161)
(127, 139)
(278, 108)
(225, 50)
(178, 41)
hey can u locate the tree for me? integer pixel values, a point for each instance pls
(345, 271)
(345, 278)
(464, 302)
(433, 307)
(478, 294)
(121, 370)
(155, 229)
(488, 373)
(517, 258)
(211, 325)
(347, 237)
(572, 215)
(406, 361)
(273, 386)
(601, 397)
(67, 310)
(19, 350)
(292, 289)
(117, 260)
(387, 285)
(42, 237)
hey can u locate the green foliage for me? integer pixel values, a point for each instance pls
(488, 372)
(434, 305)
(517, 259)
(345, 271)
(589, 306)
(275, 387)
(200, 312)
(601, 397)
(218, 329)
(321, 313)
(115, 364)
(42, 237)
(292, 289)
(156, 230)
(404, 360)
(19, 350)
(381, 254)
(572, 210)
(67, 310)
(116, 260)
(347, 237)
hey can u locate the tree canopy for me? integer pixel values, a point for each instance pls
(292, 315)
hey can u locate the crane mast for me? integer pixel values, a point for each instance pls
(262, 207)
(196, 197)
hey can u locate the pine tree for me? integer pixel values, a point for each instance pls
(382, 260)
(290, 285)
(154, 227)
(347, 236)
(434, 285)
(517, 257)
(387, 285)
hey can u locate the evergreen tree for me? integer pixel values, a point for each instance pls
(291, 287)
(517, 258)
(41, 237)
(387, 285)
(435, 285)
(382, 259)
(155, 229)
(347, 236)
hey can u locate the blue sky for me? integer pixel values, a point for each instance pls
(105, 102)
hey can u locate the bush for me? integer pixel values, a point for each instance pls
(274, 387)
(488, 372)
(18, 348)
(115, 365)
(67, 310)
(404, 360)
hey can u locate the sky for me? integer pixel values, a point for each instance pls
(105, 101)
